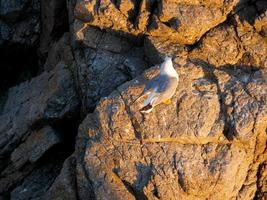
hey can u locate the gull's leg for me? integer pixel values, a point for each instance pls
(167, 102)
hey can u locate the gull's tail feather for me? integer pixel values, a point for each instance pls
(146, 109)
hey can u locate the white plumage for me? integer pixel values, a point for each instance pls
(161, 88)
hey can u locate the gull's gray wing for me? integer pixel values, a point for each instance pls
(152, 84)
(165, 90)
(159, 84)
(166, 83)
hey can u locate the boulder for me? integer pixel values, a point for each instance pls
(220, 46)
(252, 41)
(206, 144)
(187, 21)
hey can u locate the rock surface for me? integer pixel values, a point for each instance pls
(54, 18)
(37, 182)
(29, 107)
(181, 21)
(47, 97)
(187, 150)
(69, 124)
(35, 146)
(19, 22)
(64, 186)
(106, 59)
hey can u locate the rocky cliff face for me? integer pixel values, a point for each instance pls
(69, 123)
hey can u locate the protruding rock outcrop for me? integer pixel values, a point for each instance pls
(193, 148)
(180, 21)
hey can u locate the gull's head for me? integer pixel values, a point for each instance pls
(167, 67)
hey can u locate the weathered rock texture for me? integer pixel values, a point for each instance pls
(29, 106)
(211, 138)
(47, 97)
(73, 129)
(104, 63)
(182, 21)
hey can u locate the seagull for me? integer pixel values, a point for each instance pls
(161, 88)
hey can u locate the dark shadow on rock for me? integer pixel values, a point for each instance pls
(249, 10)
(155, 57)
(143, 177)
(18, 63)
(54, 23)
(43, 175)
(133, 14)
(67, 129)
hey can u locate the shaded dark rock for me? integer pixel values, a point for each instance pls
(38, 182)
(60, 51)
(55, 23)
(13, 8)
(5, 32)
(19, 35)
(20, 22)
(104, 63)
(35, 146)
(10, 176)
(45, 98)
(64, 187)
